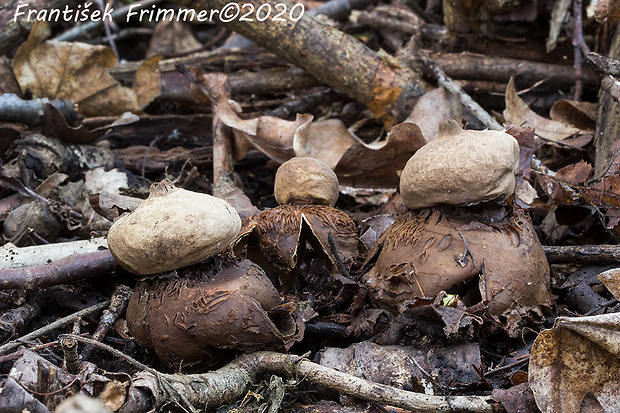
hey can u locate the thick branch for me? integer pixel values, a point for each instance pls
(583, 254)
(333, 57)
(66, 270)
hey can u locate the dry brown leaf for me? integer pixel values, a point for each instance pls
(147, 86)
(518, 113)
(172, 38)
(611, 280)
(581, 115)
(379, 165)
(432, 108)
(74, 71)
(355, 163)
(575, 174)
(575, 361)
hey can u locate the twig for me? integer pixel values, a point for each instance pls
(334, 251)
(583, 254)
(230, 383)
(11, 345)
(70, 350)
(64, 271)
(508, 366)
(580, 48)
(452, 87)
(118, 304)
(111, 350)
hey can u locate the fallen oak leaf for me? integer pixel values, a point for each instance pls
(577, 358)
(77, 72)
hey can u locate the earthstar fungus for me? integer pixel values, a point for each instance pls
(276, 238)
(488, 254)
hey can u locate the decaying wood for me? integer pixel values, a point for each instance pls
(13, 321)
(583, 254)
(501, 69)
(386, 87)
(18, 257)
(64, 271)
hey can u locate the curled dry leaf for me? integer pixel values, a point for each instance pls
(78, 72)
(54, 124)
(435, 250)
(221, 304)
(379, 165)
(581, 115)
(355, 163)
(576, 363)
(518, 113)
(611, 279)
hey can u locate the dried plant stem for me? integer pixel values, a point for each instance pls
(230, 383)
(118, 304)
(11, 345)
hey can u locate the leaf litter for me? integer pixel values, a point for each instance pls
(448, 300)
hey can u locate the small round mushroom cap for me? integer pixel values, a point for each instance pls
(173, 228)
(460, 167)
(303, 180)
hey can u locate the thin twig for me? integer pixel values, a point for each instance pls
(452, 87)
(111, 350)
(334, 250)
(51, 327)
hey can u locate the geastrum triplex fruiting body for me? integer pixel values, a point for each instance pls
(437, 247)
(200, 301)
(306, 190)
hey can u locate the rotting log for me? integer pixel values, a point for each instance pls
(335, 58)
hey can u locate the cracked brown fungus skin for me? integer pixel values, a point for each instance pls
(173, 228)
(276, 238)
(303, 180)
(460, 167)
(191, 318)
(425, 252)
